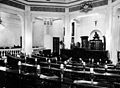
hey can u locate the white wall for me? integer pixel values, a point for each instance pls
(38, 33)
(43, 34)
(115, 32)
(87, 24)
(41, 37)
(108, 24)
(57, 30)
(10, 36)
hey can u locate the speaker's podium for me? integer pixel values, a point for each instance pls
(92, 49)
(96, 43)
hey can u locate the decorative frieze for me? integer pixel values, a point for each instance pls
(100, 3)
(94, 4)
(48, 9)
(14, 4)
(54, 9)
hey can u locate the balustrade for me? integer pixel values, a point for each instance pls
(14, 52)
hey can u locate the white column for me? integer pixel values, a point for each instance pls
(28, 31)
(23, 33)
(110, 34)
(67, 38)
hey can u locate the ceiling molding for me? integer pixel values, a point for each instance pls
(52, 7)
(13, 3)
(56, 2)
(95, 4)
(48, 9)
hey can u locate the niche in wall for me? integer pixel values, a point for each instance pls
(10, 36)
(44, 29)
(87, 23)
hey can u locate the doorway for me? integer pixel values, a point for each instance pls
(56, 46)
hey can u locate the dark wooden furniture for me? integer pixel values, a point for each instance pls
(118, 55)
(84, 41)
(11, 78)
(56, 46)
(96, 43)
(46, 52)
(12, 61)
(77, 53)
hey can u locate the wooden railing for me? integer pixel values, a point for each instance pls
(16, 51)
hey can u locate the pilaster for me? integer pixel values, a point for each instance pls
(28, 31)
(67, 29)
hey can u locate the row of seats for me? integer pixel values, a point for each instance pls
(75, 74)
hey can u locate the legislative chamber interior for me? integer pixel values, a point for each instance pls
(59, 43)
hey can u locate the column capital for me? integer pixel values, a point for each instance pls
(66, 10)
(27, 8)
(109, 1)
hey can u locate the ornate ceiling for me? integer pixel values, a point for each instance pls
(54, 5)
(54, 1)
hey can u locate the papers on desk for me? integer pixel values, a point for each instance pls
(108, 74)
(69, 65)
(84, 81)
(27, 64)
(3, 68)
(48, 77)
(1, 59)
(68, 70)
(29, 73)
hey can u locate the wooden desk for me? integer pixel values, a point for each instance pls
(77, 53)
(28, 80)
(12, 79)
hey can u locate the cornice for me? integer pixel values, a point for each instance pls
(94, 4)
(13, 3)
(51, 7)
(29, 2)
(48, 9)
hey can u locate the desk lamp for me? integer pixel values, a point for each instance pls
(105, 66)
(49, 64)
(35, 61)
(84, 66)
(91, 74)
(5, 61)
(38, 70)
(62, 71)
(19, 66)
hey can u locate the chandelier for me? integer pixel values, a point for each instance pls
(48, 22)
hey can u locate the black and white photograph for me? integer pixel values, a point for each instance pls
(59, 43)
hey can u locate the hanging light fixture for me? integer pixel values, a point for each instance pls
(1, 25)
